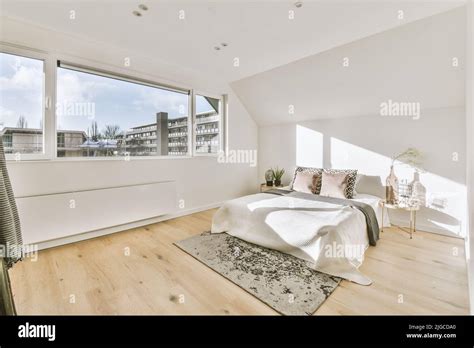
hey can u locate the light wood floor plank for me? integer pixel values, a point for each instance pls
(140, 271)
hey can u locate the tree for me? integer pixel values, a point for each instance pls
(22, 123)
(111, 131)
(94, 132)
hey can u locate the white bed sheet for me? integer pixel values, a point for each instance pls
(331, 237)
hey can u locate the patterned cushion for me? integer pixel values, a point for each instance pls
(317, 171)
(304, 182)
(351, 180)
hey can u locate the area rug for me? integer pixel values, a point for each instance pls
(284, 282)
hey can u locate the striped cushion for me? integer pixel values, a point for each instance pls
(351, 179)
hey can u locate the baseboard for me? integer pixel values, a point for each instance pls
(425, 228)
(93, 234)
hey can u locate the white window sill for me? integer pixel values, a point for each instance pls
(100, 159)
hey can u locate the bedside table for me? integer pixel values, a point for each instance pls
(411, 209)
(264, 187)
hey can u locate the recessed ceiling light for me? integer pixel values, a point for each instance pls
(217, 48)
(224, 44)
(143, 7)
(136, 13)
(298, 4)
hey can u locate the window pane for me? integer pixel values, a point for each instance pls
(101, 116)
(208, 119)
(21, 104)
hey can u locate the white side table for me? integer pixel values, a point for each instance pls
(411, 209)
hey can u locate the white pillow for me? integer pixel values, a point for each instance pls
(334, 185)
(370, 184)
(304, 182)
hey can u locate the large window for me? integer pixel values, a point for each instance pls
(51, 109)
(208, 125)
(101, 115)
(22, 91)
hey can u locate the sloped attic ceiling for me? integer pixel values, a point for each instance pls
(260, 33)
(412, 63)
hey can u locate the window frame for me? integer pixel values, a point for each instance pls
(222, 127)
(51, 61)
(48, 102)
(85, 67)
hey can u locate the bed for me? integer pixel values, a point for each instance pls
(330, 234)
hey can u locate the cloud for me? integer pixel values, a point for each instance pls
(21, 78)
(21, 89)
(77, 87)
(25, 77)
(69, 88)
(175, 104)
(7, 117)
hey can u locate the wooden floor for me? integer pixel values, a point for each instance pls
(140, 271)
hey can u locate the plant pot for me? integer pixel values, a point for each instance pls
(269, 183)
(277, 182)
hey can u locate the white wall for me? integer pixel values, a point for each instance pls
(337, 121)
(367, 143)
(201, 181)
(469, 146)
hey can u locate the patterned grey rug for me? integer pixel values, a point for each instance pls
(282, 281)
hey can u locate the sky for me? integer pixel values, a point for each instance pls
(21, 90)
(83, 98)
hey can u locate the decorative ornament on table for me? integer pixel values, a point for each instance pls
(418, 191)
(401, 194)
(404, 192)
(277, 175)
(269, 177)
(391, 187)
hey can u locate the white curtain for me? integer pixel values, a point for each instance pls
(10, 231)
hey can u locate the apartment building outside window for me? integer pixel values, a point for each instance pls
(118, 117)
(208, 125)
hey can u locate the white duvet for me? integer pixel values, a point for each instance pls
(331, 237)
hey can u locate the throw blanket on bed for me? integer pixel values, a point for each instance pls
(331, 234)
(373, 229)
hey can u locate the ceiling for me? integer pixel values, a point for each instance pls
(258, 33)
(412, 63)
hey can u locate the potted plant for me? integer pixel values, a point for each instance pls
(277, 175)
(410, 156)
